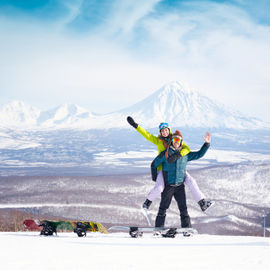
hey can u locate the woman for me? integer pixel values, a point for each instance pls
(162, 142)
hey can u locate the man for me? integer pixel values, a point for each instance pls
(173, 170)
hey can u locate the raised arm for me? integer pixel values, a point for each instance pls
(148, 136)
(203, 150)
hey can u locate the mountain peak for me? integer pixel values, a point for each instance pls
(17, 105)
(17, 113)
(175, 87)
(70, 109)
(180, 106)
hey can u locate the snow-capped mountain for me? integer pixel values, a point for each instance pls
(180, 106)
(172, 103)
(18, 114)
(21, 115)
(64, 116)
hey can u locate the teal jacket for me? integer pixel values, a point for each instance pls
(174, 167)
(159, 142)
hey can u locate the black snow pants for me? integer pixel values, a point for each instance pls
(178, 192)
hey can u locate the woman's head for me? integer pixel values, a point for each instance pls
(164, 129)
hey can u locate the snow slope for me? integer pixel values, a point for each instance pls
(122, 150)
(241, 193)
(118, 251)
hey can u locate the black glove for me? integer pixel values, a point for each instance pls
(131, 122)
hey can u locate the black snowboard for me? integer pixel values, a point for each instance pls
(135, 231)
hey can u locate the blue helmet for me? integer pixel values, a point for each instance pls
(163, 125)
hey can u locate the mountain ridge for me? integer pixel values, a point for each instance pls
(172, 103)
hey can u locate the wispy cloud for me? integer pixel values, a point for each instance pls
(74, 10)
(126, 15)
(131, 48)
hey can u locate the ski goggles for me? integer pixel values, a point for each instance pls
(177, 140)
(163, 125)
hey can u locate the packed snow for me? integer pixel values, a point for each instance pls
(118, 251)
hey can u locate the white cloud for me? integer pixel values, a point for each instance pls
(222, 52)
(218, 50)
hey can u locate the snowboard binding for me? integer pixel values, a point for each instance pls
(81, 229)
(48, 228)
(171, 233)
(135, 233)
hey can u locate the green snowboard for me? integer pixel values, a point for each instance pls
(50, 227)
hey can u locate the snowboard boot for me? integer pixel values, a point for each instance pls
(146, 204)
(205, 204)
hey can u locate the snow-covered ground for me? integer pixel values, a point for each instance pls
(88, 152)
(143, 158)
(241, 195)
(117, 251)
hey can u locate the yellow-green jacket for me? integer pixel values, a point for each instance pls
(159, 142)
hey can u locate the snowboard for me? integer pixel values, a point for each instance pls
(50, 227)
(135, 231)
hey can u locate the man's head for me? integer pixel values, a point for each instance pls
(177, 139)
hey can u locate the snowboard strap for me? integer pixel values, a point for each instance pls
(48, 228)
(81, 229)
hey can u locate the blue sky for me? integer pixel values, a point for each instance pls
(107, 55)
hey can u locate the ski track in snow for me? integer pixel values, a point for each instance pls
(117, 251)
